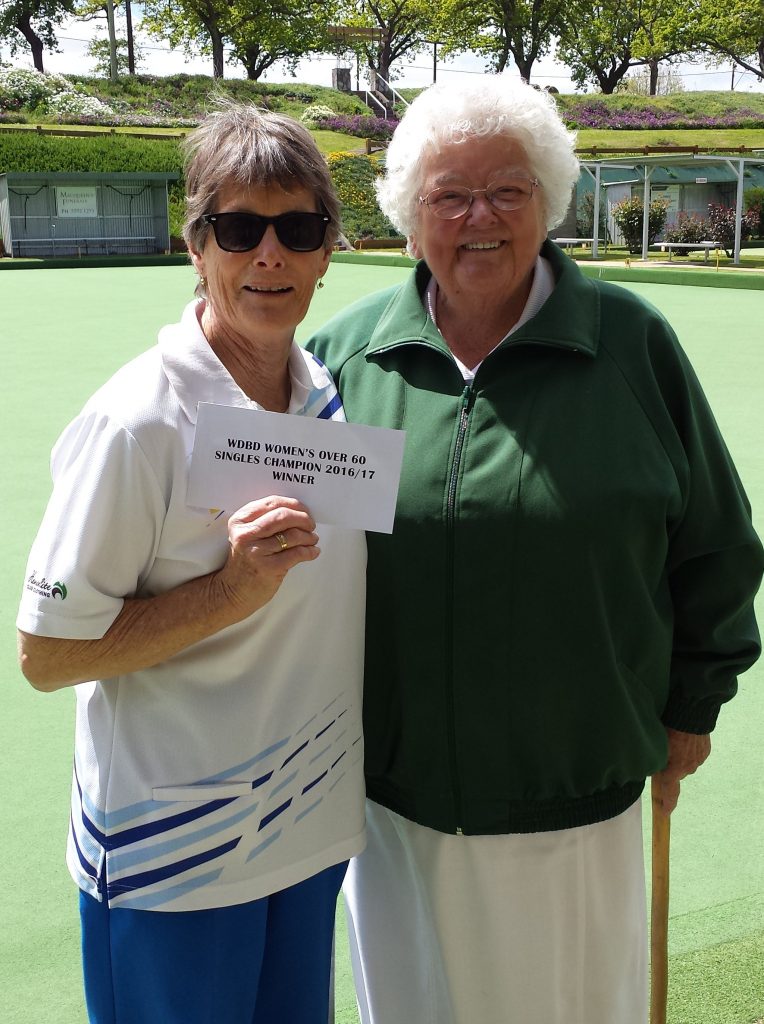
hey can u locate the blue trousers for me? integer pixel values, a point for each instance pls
(265, 962)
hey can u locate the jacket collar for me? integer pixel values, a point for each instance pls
(569, 319)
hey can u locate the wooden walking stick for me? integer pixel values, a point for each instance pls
(659, 908)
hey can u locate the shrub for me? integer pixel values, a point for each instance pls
(754, 203)
(363, 126)
(353, 178)
(176, 209)
(180, 98)
(76, 106)
(31, 153)
(722, 226)
(629, 216)
(316, 113)
(22, 87)
(9, 100)
(688, 228)
(585, 217)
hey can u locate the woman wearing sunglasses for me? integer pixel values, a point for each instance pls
(216, 655)
(564, 603)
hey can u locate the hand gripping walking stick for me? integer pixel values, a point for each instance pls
(659, 908)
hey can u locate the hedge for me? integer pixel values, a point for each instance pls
(28, 152)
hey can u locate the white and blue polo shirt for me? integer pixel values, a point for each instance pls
(234, 769)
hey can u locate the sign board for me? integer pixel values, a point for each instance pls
(670, 192)
(76, 201)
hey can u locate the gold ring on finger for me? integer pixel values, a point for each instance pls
(282, 541)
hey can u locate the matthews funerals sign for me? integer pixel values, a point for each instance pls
(76, 201)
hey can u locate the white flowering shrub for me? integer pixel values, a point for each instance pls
(23, 87)
(75, 104)
(316, 113)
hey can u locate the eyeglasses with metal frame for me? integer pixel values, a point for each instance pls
(451, 201)
(299, 230)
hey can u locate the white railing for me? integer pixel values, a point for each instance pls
(369, 98)
(393, 91)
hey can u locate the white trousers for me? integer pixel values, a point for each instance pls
(547, 928)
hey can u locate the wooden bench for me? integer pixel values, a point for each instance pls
(147, 242)
(686, 247)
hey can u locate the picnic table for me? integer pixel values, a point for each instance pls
(576, 243)
(687, 247)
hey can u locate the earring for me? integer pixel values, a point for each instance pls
(320, 283)
(203, 282)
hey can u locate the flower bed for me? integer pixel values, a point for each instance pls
(363, 126)
(596, 114)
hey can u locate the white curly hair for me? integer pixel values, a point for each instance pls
(489, 106)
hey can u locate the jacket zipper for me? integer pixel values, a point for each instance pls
(467, 401)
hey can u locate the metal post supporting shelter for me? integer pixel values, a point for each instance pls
(646, 165)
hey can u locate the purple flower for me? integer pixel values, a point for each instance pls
(360, 125)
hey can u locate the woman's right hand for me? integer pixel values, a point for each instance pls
(267, 538)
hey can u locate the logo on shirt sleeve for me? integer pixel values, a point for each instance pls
(40, 586)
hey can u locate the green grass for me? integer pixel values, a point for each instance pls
(327, 142)
(587, 138)
(96, 129)
(336, 142)
(54, 357)
(750, 259)
(701, 103)
(724, 984)
(704, 138)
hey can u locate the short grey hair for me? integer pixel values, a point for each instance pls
(240, 144)
(485, 107)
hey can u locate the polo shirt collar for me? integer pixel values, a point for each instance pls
(196, 374)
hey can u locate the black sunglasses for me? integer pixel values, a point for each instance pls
(242, 232)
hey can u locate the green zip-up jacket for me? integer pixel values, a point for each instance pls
(572, 565)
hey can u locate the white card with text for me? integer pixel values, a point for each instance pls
(346, 474)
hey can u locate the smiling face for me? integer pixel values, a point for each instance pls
(487, 255)
(262, 295)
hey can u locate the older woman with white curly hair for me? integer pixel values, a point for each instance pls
(565, 601)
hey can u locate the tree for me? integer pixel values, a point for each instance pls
(91, 10)
(521, 29)
(262, 32)
(642, 83)
(36, 22)
(99, 50)
(731, 30)
(130, 37)
(602, 41)
(663, 34)
(192, 24)
(398, 28)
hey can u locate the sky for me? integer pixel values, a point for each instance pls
(161, 60)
